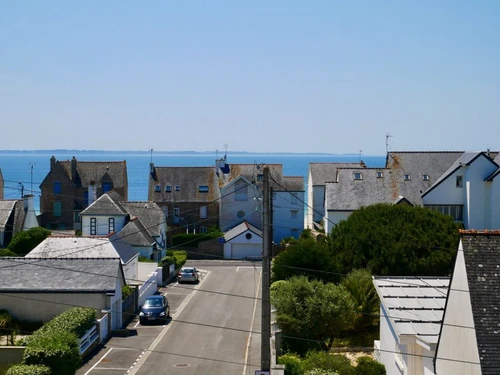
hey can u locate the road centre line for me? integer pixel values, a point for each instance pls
(155, 343)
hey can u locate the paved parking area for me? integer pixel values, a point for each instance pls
(120, 354)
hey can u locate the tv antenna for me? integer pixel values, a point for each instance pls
(387, 136)
(151, 150)
(32, 164)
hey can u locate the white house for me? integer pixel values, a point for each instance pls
(90, 247)
(38, 289)
(469, 343)
(411, 312)
(243, 242)
(16, 216)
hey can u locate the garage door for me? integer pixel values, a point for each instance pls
(242, 251)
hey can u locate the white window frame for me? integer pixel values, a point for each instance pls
(93, 226)
(168, 188)
(380, 174)
(111, 225)
(357, 176)
(425, 177)
(407, 177)
(157, 188)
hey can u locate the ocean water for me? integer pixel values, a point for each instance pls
(26, 170)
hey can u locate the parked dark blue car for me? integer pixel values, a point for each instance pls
(155, 309)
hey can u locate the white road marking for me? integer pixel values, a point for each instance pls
(155, 343)
(99, 361)
(251, 325)
(111, 368)
(258, 268)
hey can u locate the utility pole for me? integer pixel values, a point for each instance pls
(32, 164)
(22, 189)
(265, 354)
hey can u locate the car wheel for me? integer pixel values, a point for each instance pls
(141, 322)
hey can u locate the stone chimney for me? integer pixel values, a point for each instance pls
(30, 220)
(73, 168)
(151, 168)
(52, 162)
(92, 192)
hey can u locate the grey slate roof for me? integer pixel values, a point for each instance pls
(188, 179)
(95, 170)
(252, 171)
(135, 234)
(414, 305)
(108, 204)
(241, 228)
(150, 214)
(416, 164)
(482, 262)
(83, 247)
(291, 183)
(6, 209)
(327, 172)
(59, 275)
(349, 194)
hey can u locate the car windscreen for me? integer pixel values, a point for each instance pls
(187, 270)
(153, 303)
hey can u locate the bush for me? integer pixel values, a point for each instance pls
(318, 371)
(192, 240)
(7, 253)
(177, 257)
(127, 290)
(142, 258)
(293, 364)
(325, 361)
(368, 366)
(77, 320)
(23, 242)
(28, 370)
(58, 350)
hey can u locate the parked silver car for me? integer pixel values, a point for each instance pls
(188, 274)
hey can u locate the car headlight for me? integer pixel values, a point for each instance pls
(162, 313)
(141, 314)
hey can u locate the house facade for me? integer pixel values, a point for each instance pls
(469, 341)
(411, 313)
(243, 242)
(16, 216)
(38, 289)
(70, 186)
(189, 197)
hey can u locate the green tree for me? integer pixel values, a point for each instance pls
(315, 361)
(311, 314)
(6, 253)
(23, 242)
(368, 366)
(360, 286)
(396, 240)
(306, 257)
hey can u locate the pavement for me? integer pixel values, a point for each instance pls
(215, 328)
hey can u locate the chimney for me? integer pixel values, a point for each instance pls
(52, 162)
(30, 219)
(151, 168)
(92, 194)
(73, 168)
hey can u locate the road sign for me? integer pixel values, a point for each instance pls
(258, 372)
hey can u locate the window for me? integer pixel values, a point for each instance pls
(425, 177)
(455, 211)
(203, 212)
(460, 182)
(357, 176)
(240, 214)
(294, 214)
(407, 177)
(111, 224)
(93, 226)
(380, 174)
(168, 188)
(106, 186)
(57, 209)
(177, 188)
(203, 230)
(77, 216)
(177, 212)
(157, 188)
(86, 198)
(260, 177)
(294, 199)
(203, 189)
(57, 188)
(240, 190)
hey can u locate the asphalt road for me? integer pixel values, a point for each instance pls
(215, 328)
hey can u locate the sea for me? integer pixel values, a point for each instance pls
(23, 171)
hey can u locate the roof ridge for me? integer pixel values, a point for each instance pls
(484, 232)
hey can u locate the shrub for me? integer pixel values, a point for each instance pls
(325, 361)
(7, 253)
(368, 366)
(318, 371)
(77, 320)
(192, 240)
(292, 362)
(177, 257)
(167, 261)
(28, 370)
(58, 350)
(127, 290)
(142, 258)
(23, 242)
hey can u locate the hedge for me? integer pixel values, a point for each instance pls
(368, 366)
(192, 240)
(58, 350)
(28, 370)
(177, 257)
(77, 320)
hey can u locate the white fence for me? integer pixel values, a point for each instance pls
(103, 327)
(149, 287)
(88, 339)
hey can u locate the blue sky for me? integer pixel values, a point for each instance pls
(263, 76)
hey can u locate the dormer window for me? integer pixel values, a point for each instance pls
(407, 177)
(203, 189)
(357, 176)
(425, 177)
(157, 188)
(177, 188)
(380, 174)
(168, 188)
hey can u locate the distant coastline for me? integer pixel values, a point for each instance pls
(69, 151)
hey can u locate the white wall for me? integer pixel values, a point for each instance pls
(457, 342)
(476, 173)
(131, 270)
(495, 203)
(230, 207)
(447, 193)
(241, 239)
(102, 224)
(309, 212)
(283, 205)
(388, 340)
(334, 217)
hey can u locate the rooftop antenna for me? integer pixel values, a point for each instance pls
(151, 150)
(32, 164)
(360, 155)
(387, 136)
(225, 153)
